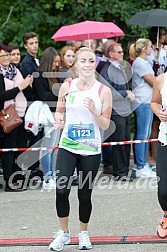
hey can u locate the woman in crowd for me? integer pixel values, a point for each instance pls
(44, 87)
(159, 107)
(11, 86)
(87, 103)
(142, 83)
(67, 63)
(15, 56)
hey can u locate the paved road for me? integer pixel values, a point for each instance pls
(119, 209)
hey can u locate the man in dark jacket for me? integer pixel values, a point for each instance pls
(116, 75)
(29, 65)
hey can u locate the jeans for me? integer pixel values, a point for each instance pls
(48, 156)
(144, 117)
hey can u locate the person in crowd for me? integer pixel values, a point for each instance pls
(11, 86)
(90, 43)
(104, 58)
(130, 57)
(159, 107)
(57, 61)
(15, 56)
(96, 46)
(30, 62)
(66, 68)
(158, 56)
(99, 48)
(76, 45)
(106, 150)
(115, 76)
(158, 60)
(29, 65)
(142, 83)
(43, 87)
(88, 108)
(165, 45)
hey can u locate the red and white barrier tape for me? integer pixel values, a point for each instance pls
(55, 148)
(130, 142)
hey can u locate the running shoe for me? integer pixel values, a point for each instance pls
(84, 241)
(162, 228)
(59, 240)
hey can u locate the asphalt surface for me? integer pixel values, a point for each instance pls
(120, 209)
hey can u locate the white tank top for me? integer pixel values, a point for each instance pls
(162, 137)
(81, 134)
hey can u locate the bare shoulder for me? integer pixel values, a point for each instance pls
(106, 90)
(64, 88)
(159, 81)
(106, 95)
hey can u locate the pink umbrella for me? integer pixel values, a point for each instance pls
(87, 30)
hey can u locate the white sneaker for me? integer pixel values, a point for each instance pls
(150, 167)
(153, 167)
(59, 240)
(84, 241)
(49, 185)
(147, 166)
(145, 173)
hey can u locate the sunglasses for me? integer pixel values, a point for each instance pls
(118, 52)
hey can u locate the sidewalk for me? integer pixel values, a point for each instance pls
(120, 210)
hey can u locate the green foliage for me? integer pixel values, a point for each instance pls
(46, 17)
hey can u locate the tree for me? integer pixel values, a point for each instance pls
(45, 17)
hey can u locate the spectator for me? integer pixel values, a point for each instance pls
(158, 57)
(90, 43)
(106, 150)
(104, 58)
(99, 48)
(165, 46)
(43, 88)
(142, 83)
(67, 68)
(115, 76)
(130, 57)
(15, 56)
(30, 62)
(11, 86)
(76, 45)
(29, 65)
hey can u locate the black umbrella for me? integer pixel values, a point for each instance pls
(155, 17)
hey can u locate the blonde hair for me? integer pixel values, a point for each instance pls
(137, 48)
(83, 49)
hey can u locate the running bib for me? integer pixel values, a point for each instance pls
(81, 131)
